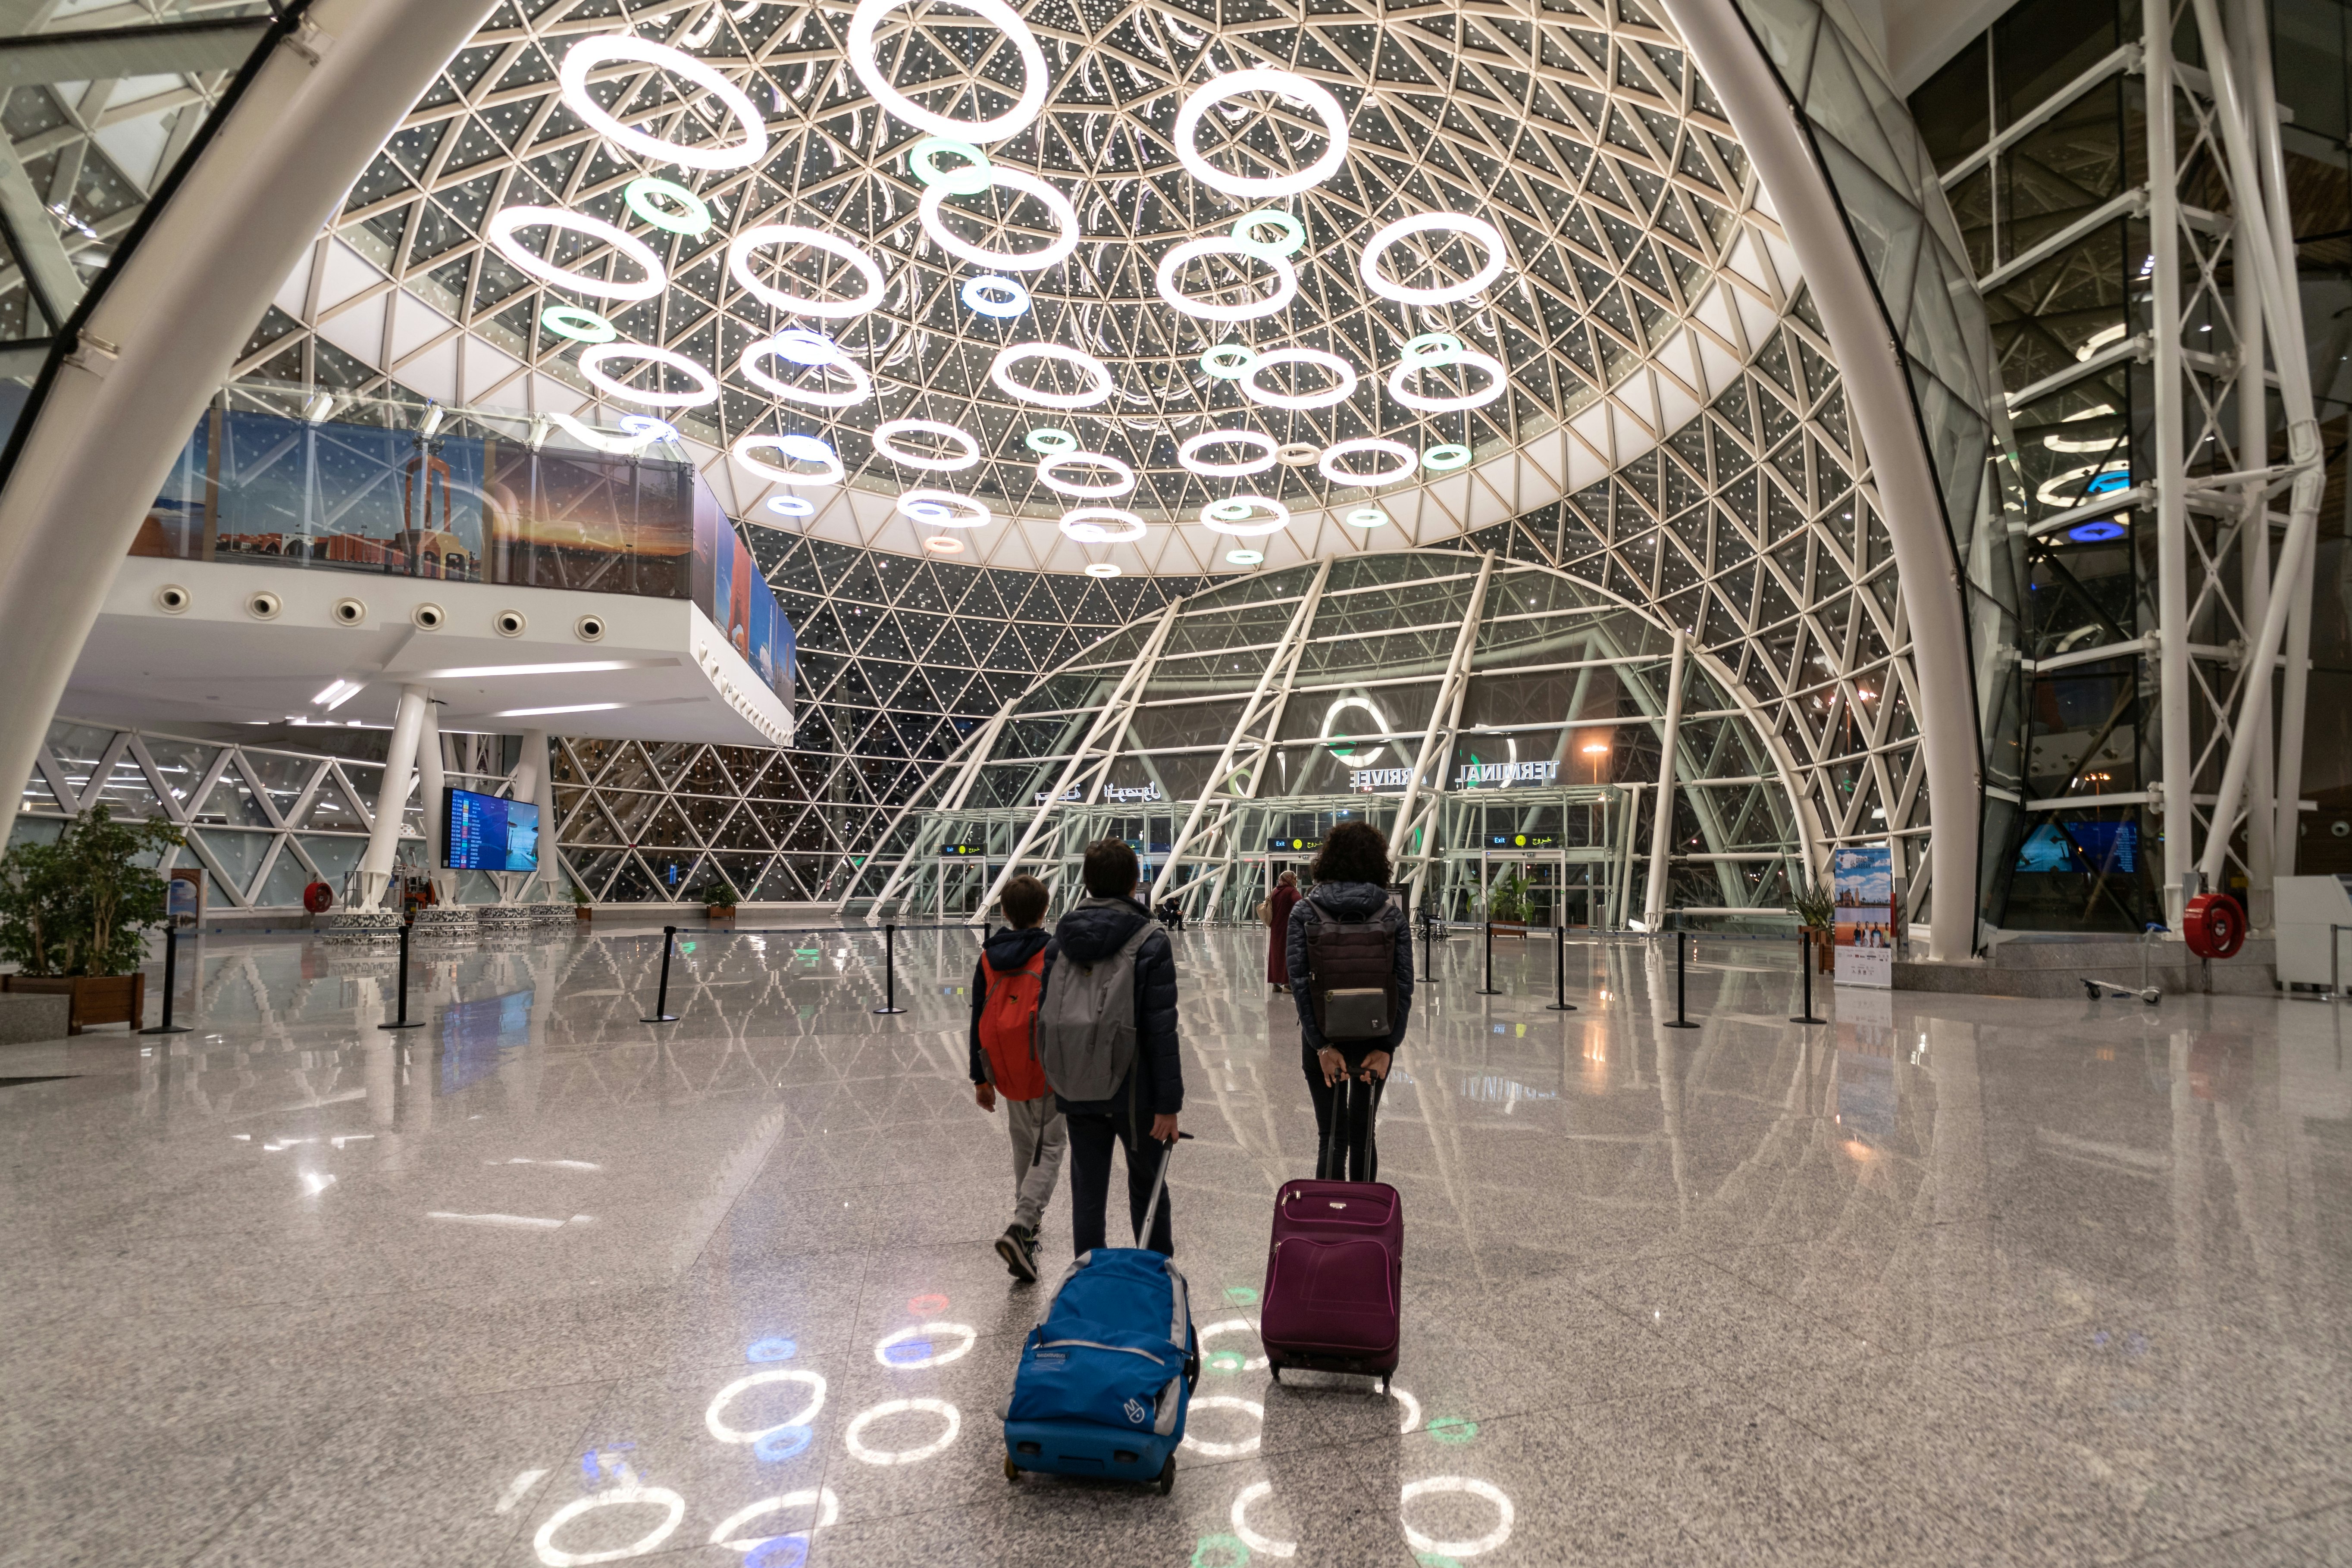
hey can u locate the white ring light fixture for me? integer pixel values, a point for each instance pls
(1065, 218)
(1407, 369)
(1118, 486)
(1366, 517)
(941, 544)
(1085, 524)
(644, 195)
(1486, 1489)
(805, 349)
(605, 48)
(1012, 354)
(713, 1418)
(980, 295)
(827, 1506)
(591, 366)
(1341, 389)
(1188, 456)
(1289, 85)
(868, 16)
(738, 265)
(1102, 569)
(662, 1498)
(851, 1439)
(945, 509)
(1407, 460)
(501, 235)
(1380, 727)
(927, 1331)
(791, 506)
(800, 448)
(1475, 228)
(886, 443)
(1233, 516)
(1285, 279)
(1226, 1450)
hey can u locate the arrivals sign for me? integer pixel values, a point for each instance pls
(1468, 776)
(1863, 884)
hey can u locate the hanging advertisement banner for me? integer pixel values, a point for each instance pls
(1862, 882)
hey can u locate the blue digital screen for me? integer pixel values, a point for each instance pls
(485, 832)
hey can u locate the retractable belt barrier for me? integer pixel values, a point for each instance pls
(662, 1015)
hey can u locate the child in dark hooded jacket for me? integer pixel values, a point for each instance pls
(1351, 874)
(1006, 986)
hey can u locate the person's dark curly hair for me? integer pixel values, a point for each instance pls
(1353, 852)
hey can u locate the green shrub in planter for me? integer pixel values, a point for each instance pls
(82, 905)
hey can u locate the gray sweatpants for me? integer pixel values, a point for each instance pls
(1039, 1137)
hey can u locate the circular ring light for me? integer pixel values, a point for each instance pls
(1348, 753)
(1188, 456)
(976, 292)
(1014, 121)
(611, 1497)
(1366, 517)
(1226, 1450)
(1407, 461)
(1245, 557)
(605, 48)
(1048, 440)
(852, 1439)
(1486, 1489)
(886, 443)
(945, 509)
(712, 1417)
(1340, 391)
(791, 506)
(805, 349)
(644, 195)
(1118, 486)
(1297, 453)
(967, 181)
(929, 1334)
(507, 220)
(1233, 516)
(1289, 84)
(591, 366)
(1294, 233)
(1475, 228)
(799, 449)
(739, 264)
(1229, 362)
(1470, 357)
(1445, 458)
(1101, 569)
(941, 544)
(1012, 354)
(1085, 524)
(1286, 280)
(581, 326)
(1437, 347)
(1065, 219)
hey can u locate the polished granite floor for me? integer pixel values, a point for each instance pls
(1951, 1280)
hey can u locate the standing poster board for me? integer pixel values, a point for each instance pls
(185, 905)
(1862, 882)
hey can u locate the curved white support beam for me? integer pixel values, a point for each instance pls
(163, 336)
(1878, 390)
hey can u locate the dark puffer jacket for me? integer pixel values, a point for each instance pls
(1091, 932)
(1346, 902)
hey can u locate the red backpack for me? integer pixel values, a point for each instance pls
(1008, 1027)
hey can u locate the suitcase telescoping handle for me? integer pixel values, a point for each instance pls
(1335, 1147)
(1159, 1184)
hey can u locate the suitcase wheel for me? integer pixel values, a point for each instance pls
(1012, 1471)
(1166, 1482)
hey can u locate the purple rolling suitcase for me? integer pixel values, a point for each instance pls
(1332, 1269)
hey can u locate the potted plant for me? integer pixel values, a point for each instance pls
(583, 908)
(1816, 914)
(717, 898)
(1506, 904)
(74, 915)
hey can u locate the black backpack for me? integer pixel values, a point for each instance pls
(1351, 970)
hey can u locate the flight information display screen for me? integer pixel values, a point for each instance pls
(485, 832)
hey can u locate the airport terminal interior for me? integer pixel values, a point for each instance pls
(1738, 612)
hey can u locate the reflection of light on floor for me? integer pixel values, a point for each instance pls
(1437, 1485)
(712, 1419)
(515, 1488)
(919, 1346)
(852, 1439)
(1231, 1326)
(1251, 1537)
(1412, 1409)
(1226, 1402)
(663, 1498)
(509, 1221)
(827, 1506)
(525, 1160)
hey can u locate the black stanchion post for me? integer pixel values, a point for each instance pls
(1560, 1002)
(1805, 968)
(1682, 1016)
(889, 971)
(662, 1015)
(402, 1022)
(1489, 989)
(1428, 938)
(170, 983)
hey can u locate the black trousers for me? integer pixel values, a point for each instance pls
(1358, 1154)
(1091, 1137)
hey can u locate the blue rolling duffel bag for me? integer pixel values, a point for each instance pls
(1107, 1376)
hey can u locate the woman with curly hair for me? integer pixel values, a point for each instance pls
(1349, 925)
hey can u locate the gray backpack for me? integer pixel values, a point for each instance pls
(1086, 1025)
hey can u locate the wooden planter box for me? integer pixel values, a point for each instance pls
(95, 998)
(583, 913)
(718, 912)
(1509, 928)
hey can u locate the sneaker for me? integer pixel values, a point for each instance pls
(1018, 1248)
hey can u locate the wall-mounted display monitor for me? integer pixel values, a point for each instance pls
(486, 832)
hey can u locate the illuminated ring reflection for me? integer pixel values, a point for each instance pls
(640, 194)
(975, 294)
(507, 220)
(1487, 1542)
(1342, 388)
(1226, 1402)
(602, 48)
(801, 448)
(870, 15)
(1066, 219)
(781, 1443)
(1477, 230)
(1237, 1325)
(1425, 403)
(945, 509)
(581, 326)
(793, 346)
(1350, 759)
(1286, 280)
(1408, 462)
(827, 1506)
(1412, 1409)
(712, 1417)
(1226, 521)
(739, 265)
(885, 442)
(1011, 354)
(931, 1358)
(1288, 84)
(969, 180)
(865, 1419)
(1294, 233)
(1187, 454)
(1251, 1537)
(1118, 486)
(592, 368)
(1079, 523)
(555, 1557)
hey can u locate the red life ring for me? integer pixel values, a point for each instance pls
(318, 898)
(2213, 925)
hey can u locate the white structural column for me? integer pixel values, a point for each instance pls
(2253, 505)
(432, 775)
(1662, 812)
(160, 340)
(399, 764)
(1878, 392)
(2178, 767)
(522, 783)
(1417, 817)
(535, 749)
